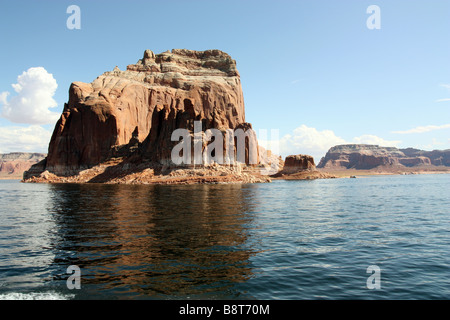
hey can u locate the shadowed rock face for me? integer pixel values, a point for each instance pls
(360, 156)
(143, 105)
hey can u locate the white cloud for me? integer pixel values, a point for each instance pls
(435, 144)
(24, 139)
(35, 89)
(3, 97)
(422, 129)
(307, 140)
(442, 100)
(446, 86)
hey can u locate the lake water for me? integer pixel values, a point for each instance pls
(283, 240)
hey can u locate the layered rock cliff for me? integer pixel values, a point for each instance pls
(132, 114)
(13, 165)
(366, 157)
(437, 157)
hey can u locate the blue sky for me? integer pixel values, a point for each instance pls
(311, 69)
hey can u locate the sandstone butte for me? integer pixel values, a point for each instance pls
(300, 167)
(378, 159)
(118, 128)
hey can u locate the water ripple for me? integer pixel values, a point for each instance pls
(284, 240)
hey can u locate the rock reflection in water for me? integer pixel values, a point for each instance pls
(155, 241)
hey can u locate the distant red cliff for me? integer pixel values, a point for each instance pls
(13, 165)
(367, 157)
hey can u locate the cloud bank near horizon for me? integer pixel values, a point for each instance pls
(308, 140)
(422, 129)
(24, 139)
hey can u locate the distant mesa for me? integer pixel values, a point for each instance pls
(14, 164)
(368, 157)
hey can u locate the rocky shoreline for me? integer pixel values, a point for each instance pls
(346, 173)
(115, 172)
(122, 171)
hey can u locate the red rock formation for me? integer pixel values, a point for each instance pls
(300, 167)
(121, 112)
(360, 156)
(300, 162)
(436, 157)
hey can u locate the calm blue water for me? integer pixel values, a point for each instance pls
(283, 240)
